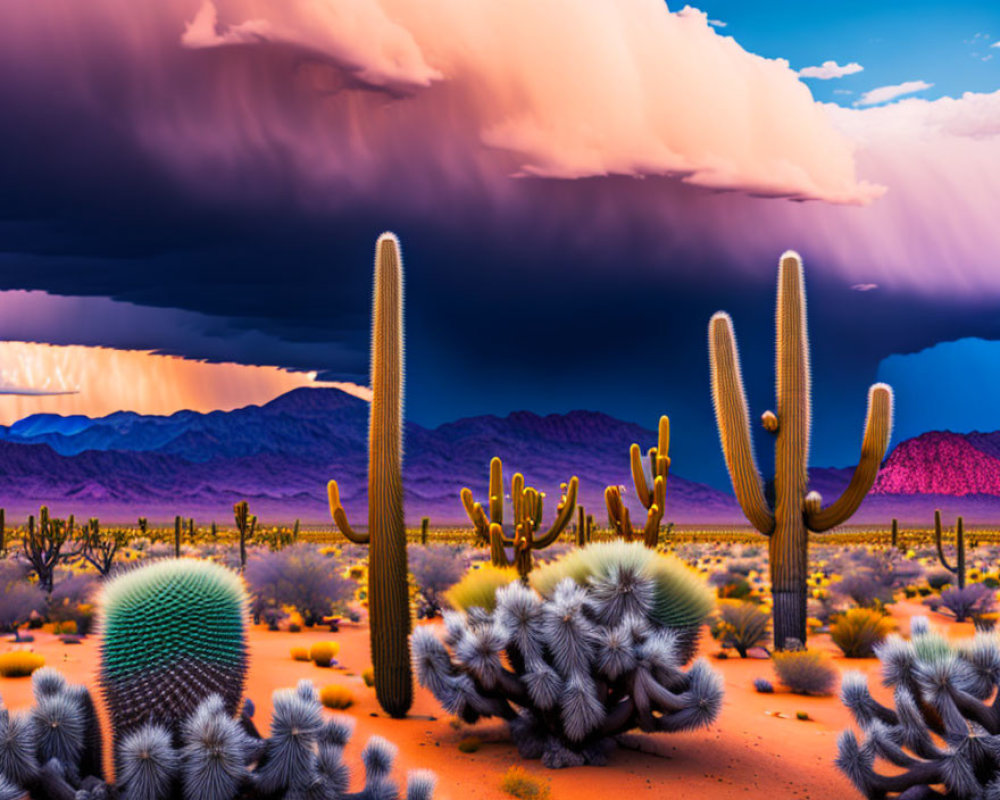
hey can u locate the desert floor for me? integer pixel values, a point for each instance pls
(756, 748)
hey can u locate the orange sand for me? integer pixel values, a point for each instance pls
(756, 748)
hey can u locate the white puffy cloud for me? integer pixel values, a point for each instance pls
(830, 69)
(884, 94)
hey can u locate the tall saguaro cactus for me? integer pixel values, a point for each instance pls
(796, 511)
(654, 499)
(388, 599)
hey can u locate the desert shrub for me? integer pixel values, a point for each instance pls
(803, 716)
(435, 569)
(741, 625)
(937, 738)
(19, 599)
(583, 661)
(470, 744)
(974, 600)
(805, 671)
(479, 587)
(859, 630)
(731, 586)
(20, 663)
(299, 577)
(336, 697)
(939, 578)
(680, 599)
(518, 783)
(763, 685)
(68, 627)
(322, 654)
(73, 600)
(301, 654)
(368, 676)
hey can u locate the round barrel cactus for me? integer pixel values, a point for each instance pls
(173, 634)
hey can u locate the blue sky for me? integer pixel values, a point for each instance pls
(947, 45)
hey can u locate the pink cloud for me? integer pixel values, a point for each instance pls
(449, 109)
(42, 378)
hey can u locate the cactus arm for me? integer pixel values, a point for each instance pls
(651, 533)
(734, 424)
(496, 490)
(340, 516)
(878, 428)
(938, 540)
(477, 516)
(498, 553)
(618, 513)
(517, 496)
(639, 476)
(564, 513)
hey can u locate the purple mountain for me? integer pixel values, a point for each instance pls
(280, 455)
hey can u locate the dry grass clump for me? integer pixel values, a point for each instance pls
(336, 697)
(20, 663)
(518, 783)
(322, 654)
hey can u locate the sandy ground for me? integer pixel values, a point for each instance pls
(757, 747)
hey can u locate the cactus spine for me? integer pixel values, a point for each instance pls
(959, 569)
(528, 508)
(389, 603)
(653, 500)
(796, 511)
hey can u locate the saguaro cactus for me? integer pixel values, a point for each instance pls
(894, 534)
(246, 524)
(959, 569)
(528, 507)
(796, 511)
(653, 500)
(388, 601)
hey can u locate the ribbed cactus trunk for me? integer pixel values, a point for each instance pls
(796, 511)
(789, 544)
(389, 604)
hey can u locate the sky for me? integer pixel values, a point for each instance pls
(577, 188)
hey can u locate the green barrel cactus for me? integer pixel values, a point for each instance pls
(173, 634)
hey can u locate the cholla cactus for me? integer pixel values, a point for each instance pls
(49, 753)
(586, 654)
(945, 728)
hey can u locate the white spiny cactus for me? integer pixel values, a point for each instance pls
(574, 665)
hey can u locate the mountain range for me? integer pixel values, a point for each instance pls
(280, 455)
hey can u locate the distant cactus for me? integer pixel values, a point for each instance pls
(653, 499)
(942, 728)
(894, 534)
(959, 569)
(174, 633)
(582, 661)
(425, 523)
(52, 752)
(43, 546)
(795, 510)
(246, 524)
(388, 602)
(522, 536)
(101, 547)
